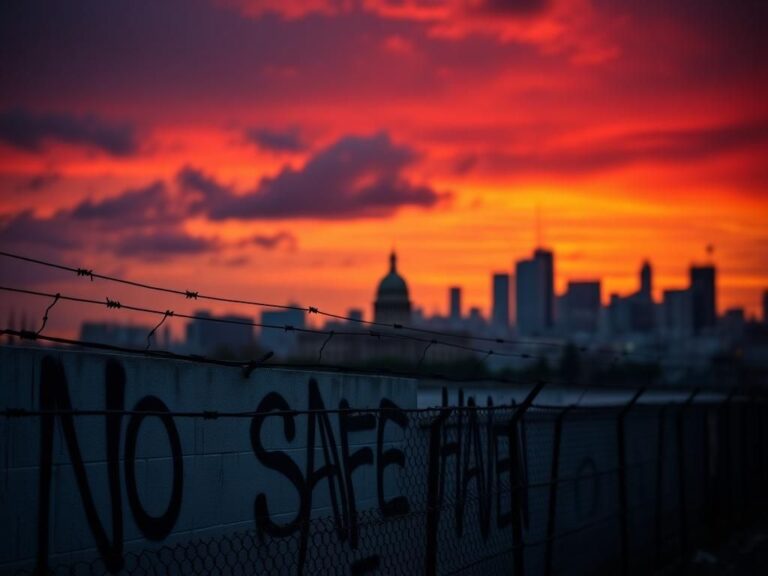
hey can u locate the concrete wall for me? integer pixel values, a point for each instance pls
(219, 475)
(391, 490)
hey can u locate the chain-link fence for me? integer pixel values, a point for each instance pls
(488, 490)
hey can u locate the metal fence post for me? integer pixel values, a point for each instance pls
(433, 486)
(554, 476)
(727, 464)
(660, 482)
(518, 488)
(681, 479)
(622, 464)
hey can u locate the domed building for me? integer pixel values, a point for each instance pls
(392, 305)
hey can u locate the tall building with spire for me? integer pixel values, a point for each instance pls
(635, 313)
(646, 280)
(703, 297)
(392, 304)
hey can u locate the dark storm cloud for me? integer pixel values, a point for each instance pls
(30, 131)
(357, 176)
(289, 140)
(201, 190)
(145, 223)
(136, 207)
(107, 232)
(27, 229)
(162, 244)
(270, 242)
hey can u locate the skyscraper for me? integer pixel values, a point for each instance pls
(535, 294)
(646, 280)
(547, 261)
(678, 313)
(636, 312)
(703, 297)
(582, 306)
(455, 303)
(500, 314)
(765, 307)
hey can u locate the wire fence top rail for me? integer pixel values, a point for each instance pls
(249, 366)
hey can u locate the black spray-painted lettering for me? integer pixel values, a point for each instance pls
(54, 396)
(476, 459)
(338, 466)
(153, 527)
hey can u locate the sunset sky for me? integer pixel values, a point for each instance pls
(277, 150)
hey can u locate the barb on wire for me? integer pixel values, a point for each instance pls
(320, 353)
(47, 310)
(85, 272)
(152, 332)
(113, 304)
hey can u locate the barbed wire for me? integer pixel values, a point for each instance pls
(196, 295)
(328, 334)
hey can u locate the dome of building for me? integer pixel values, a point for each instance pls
(392, 286)
(392, 303)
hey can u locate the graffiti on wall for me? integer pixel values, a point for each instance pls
(466, 451)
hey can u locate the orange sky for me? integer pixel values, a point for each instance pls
(278, 150)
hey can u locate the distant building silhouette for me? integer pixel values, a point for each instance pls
(392, 305)
(646, 280)
(130, 336)
(454, 295)
(355, 315)
(733, 323)
(475, 322)
(283, 343)
(677, 313)
(535, 293)
(500, 308)
(703, 297)
(634, 313)
(547, 260)
(765, 307)
(210, 337)
(581, 306)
